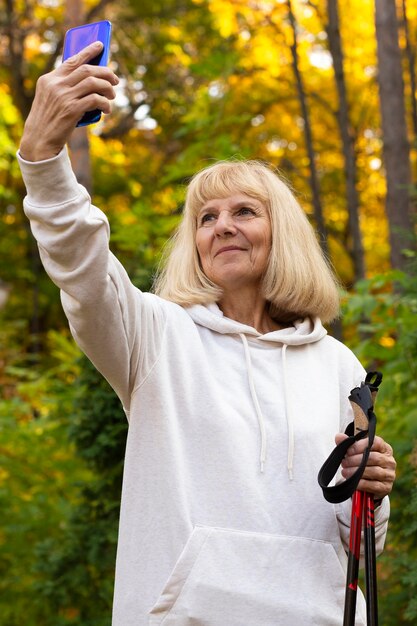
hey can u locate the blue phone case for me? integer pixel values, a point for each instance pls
(78, 38)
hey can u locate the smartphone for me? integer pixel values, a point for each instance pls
(78, 38)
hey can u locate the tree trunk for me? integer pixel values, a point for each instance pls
(314, 182)
(411, 59)
(396, 148)
(15, 35)
(348, 142)
(79, 144)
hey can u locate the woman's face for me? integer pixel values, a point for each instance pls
(233, 240)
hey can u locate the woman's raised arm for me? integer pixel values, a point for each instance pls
(113, 323)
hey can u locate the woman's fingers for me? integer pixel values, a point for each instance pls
(92, 85)
(379, 474)
(83, 56)
(91, 102)
(72, 71)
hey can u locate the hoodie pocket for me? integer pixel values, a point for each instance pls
(237, 578)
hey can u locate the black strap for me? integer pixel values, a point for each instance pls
(362, 396)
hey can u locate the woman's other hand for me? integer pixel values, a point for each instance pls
(61, 99)
(379, 475)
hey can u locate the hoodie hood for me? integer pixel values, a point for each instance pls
(302, 332)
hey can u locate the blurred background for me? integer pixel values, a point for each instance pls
(326, 92)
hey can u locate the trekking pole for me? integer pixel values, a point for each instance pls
(362, 400)
(373, 382)
(360, 423)
(364, 425)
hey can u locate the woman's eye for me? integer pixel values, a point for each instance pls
(246, 211)
(207, 218)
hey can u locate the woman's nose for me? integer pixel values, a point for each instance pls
(225, 224)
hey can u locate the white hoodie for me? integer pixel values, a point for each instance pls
(222, 519)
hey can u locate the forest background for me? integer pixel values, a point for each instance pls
(325, 93)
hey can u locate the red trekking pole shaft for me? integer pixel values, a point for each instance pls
(370, 561)
(370, 551)
(362, 507)
(353, 559)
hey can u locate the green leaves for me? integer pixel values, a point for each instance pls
(79, 564)
(383, 312)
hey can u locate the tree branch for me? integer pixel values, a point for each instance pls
(16, 44)
(96, 10)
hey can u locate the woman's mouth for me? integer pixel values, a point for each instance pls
(228, 249)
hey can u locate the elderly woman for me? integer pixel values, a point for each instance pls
(233, 390)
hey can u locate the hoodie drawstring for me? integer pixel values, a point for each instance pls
(259, 414)
(288, 414)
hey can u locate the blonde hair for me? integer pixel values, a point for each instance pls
(298, 282)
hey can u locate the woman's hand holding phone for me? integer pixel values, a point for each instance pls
(61, 99)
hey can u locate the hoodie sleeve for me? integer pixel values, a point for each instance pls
(117, 326)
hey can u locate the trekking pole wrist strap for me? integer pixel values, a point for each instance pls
(361, 399)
